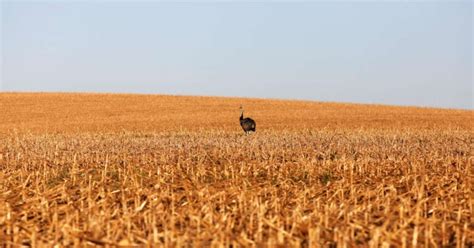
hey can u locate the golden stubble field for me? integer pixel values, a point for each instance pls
(148, 170)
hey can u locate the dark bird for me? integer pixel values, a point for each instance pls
(247, 124)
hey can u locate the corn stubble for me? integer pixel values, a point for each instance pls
(314, 174)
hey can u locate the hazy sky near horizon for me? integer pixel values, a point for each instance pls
(397, 52)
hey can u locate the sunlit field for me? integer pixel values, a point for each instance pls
(150, 170)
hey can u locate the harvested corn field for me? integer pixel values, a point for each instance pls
(147, 170)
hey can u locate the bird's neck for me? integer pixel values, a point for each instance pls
(242, 115)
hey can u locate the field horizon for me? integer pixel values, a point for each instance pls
(230, 97)
(85, 169)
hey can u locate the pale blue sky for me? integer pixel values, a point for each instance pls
(404, 53)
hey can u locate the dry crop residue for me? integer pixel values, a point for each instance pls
(99, 169)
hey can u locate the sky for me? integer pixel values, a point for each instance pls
(392, 52)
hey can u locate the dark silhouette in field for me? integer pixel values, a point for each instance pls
(247, 124)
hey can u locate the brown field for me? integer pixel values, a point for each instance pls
(147, 170)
